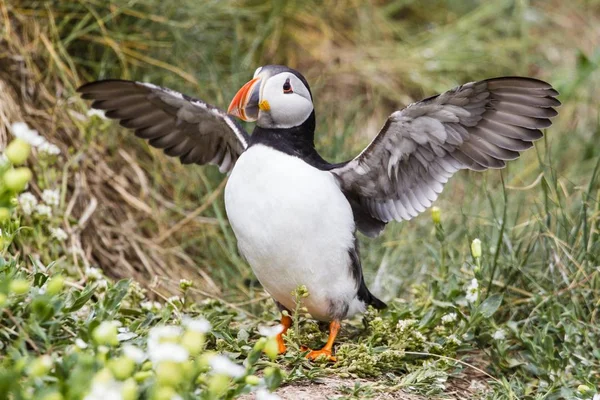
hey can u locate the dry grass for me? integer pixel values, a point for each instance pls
(113, 212)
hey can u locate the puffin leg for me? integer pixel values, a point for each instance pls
(334, 328)
(286, 321)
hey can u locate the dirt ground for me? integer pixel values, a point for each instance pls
(461, 387)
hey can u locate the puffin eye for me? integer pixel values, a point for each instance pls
(287, 87)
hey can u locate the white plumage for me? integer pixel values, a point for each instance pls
(295, 227)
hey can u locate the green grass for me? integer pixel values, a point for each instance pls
(538, 220)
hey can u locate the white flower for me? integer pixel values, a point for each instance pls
(419, 336)
(58, 234)
(92, 112)
(169, 332)
(93, 273)
(270, 331)
(49, 148)
(103, 389)
(403, 324)
(43, 210)
(596, 396)
(101, 284)
(150, 305)
(27, 202)
(134, 353)
(185, 282)
(454, 339)
(472, 291)
(51, 197)
(80, 343)
(175, 299)
(199, 325)
(167, 352)
(223, 365)
(499, 335)
(264, 394)
(125, 334)
(161, 346)
(22, 131)
(446, 319)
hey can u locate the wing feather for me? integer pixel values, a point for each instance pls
(479, 125)
(184, 127)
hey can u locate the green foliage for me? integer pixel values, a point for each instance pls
(515, 311)
(95, 340)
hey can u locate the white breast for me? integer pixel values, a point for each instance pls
(295, 227)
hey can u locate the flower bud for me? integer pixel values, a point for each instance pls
(185, 284)
(193, 342)
(583, 388)
(476, 248)
(17, 151)
(271, 348)
(121, 367)
(40, 366)
(203, 361)
(53, 396)
(106, 333)
(168, 373)
(19, 286)
(165, 393)
(147, 366)
(436, 215)
(16, 179)
(4, 214)
(253, 380)
(142, 376)
(260, 344)
(103, 376)
(129, 390)
(269, 371)
(55, 285)
(218, 385)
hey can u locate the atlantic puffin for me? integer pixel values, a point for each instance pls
(295, 215)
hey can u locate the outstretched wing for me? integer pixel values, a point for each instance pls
(184, 127)
(476, 126)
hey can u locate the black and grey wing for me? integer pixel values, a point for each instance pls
(184, 127)
(475, 126)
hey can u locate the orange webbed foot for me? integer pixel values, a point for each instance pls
(315, 354)
(286, 322)
(334, 328)
(281, 344)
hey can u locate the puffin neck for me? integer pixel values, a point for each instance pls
(297, 141)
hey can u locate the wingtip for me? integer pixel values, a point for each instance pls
(94, 85)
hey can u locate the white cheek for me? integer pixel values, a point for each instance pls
(289, 110)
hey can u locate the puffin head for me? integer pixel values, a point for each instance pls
(277, 97)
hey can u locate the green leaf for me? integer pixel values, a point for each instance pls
(82, 299)
(116, 294)
(490, 305)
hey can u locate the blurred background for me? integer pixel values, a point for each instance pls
(136, 213)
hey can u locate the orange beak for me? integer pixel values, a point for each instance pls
(245, 102)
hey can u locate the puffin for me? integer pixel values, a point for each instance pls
(295, 215)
